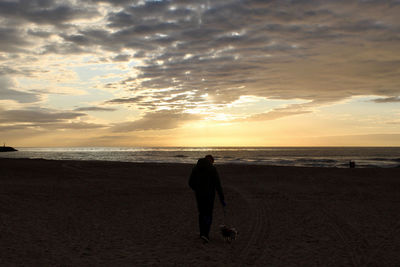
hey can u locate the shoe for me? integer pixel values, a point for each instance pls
(206, 240)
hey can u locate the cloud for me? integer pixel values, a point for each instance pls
(73, 126)
(218, 46)
(160, 120)
(63, 49)
(392, 99)
(184, 54)
(7, 92)
(131, 100)
(94, 109)
(38, 119)
(121, 58)
(12, 40)
(37, 116)
(38, 33)
(273, 115)
(44, 11)
(115, 2)
(52, 126)
(19, 96)
(229, 45)
(8, 71)
(277, 113)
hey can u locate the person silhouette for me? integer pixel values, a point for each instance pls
(204, 181)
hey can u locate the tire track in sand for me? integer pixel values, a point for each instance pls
(253, 250)
(356, 245)
(391, 234)
(353, 241)
(359, 249)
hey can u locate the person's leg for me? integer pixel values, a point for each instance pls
(204, 224)
(201, 207)
(206, 218)
(205, 207)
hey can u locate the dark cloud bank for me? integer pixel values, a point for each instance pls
(319, 51)
(36, 118)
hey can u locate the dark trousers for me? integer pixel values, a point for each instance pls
(205, 206)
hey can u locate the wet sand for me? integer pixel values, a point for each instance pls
(75, 213)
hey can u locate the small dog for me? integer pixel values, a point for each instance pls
(228, 233)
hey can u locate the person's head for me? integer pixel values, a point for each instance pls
(209, 158)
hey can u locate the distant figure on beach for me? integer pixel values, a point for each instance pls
(352, 164)
(204, 180)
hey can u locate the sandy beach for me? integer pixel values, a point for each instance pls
(86, 213)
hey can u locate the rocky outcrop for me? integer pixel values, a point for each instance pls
(7, 149)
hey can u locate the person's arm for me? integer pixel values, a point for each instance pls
(193, 179)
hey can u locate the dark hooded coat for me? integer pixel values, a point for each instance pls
(204, 180)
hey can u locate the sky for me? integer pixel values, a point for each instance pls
(199, 73)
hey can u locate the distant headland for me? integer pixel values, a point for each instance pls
(5, 148)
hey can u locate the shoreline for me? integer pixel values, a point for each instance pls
(121, 213)
(194, 162)
(383, 157)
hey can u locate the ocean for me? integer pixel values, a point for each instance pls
(364, 157)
